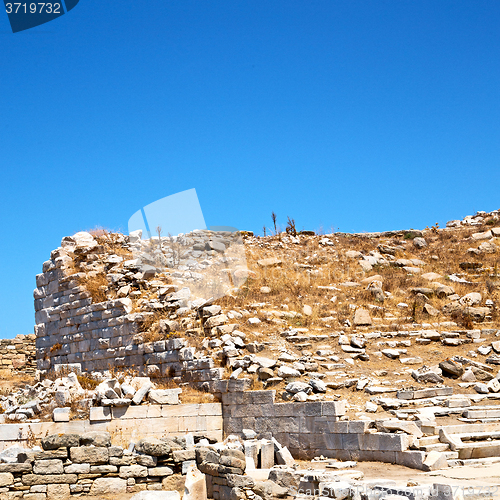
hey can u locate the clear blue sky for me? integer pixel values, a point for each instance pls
(357, 115)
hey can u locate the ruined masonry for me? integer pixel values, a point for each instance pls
(18, 354)
(71, 330)
(362, 347)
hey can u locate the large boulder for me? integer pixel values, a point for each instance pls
(295, 387)
(56, 441)
(269, 490)
(153, 446)
(6, 479)
(89, 455)
(195, 486)
(288, 372)
(265, 373)
(58, 491)
(419, 242)
(435, 460)
(164, 396)
(425, 375)
(265, 362)
(51, 466)
(451, 368)
(318, 385)
(430, 310)
(443, 291)
(135, 470)
(477, 313)
(471, 299)
(141, 393)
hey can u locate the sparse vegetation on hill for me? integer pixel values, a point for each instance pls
(317, 301)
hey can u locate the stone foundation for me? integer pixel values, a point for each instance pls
(126, 424)
(315, 428)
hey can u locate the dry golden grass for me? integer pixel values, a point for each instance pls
(121, 373)
(150, 327)
(55, 347)
(74, 266)
(256, 383)
(97, 285)
(308, 265)
(99, 231)
(12, 381)
(87, 382)
(111, 243)
(190, 395)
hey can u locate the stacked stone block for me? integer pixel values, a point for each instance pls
(315, 428)
(73, 464)
(72, 330)
(224, 472)
(18, 354)
(126, 424)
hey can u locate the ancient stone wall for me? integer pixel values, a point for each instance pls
(18, 354)
(315, 428)
(71, 330)
(126, 424)
(89, 463)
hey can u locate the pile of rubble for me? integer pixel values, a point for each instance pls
(57, 397)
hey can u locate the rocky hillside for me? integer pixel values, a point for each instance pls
(313, 316)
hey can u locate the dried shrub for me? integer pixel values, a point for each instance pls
(150, 328)
(87, 382)
(63, 371)
(273, 216)
(463, 319)
(11, 381)
(191, 395)
(490, 286)
(99, 231)
(290, 227)
(256, 384)
(31, 440)
(55, 347)
(96, 284)
(112, 243)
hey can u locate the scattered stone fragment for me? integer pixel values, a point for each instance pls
(451, 368)
(362, 317)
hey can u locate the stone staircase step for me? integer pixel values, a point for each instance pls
(473, 461)
(468, 428)
(485, 412)
(477, 436)
(425, 393)
(435, 447)
(424, 441)
(479, 449)
(480, 420)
